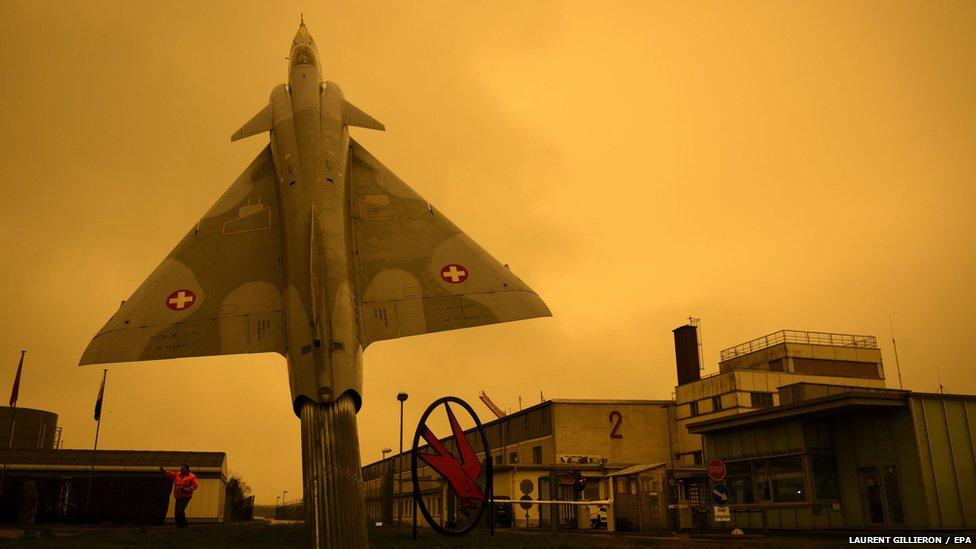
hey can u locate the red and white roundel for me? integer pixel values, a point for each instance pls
(454, 273)
(180, 300)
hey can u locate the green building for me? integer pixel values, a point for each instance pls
(836, 457)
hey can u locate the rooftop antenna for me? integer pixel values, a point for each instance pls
(696, 322)
(301, 17)
(897, 365)
(938, 369)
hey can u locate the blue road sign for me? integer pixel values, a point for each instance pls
(720, 494)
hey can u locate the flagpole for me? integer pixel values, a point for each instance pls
(98, 426)
(13, 420)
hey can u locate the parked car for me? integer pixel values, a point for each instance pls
(503, 512)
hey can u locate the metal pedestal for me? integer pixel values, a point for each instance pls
(335, 514)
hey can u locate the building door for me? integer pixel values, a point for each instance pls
(872, 501)
(567, 513)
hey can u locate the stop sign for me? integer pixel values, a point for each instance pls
(716, 470)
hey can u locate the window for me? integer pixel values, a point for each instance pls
(513, 457)
(788, 479)
(537, 454)
(717, 403)
(739, 481)
(825, 478)
(760, 477)
(892, 492)
(761, 400)
(498, 459)
(693, 408)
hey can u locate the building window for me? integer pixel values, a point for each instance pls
(788, 479)
(825, 483)
(760, 478)
(513, 457)
(761, 400)
(693, 408)
(537, 454)
(498, 459)
(892, 490)
(717, 403)
(739, 481)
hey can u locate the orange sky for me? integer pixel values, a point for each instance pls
(761, 165)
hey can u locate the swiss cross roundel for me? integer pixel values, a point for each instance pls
(454, 273)
(180, 300)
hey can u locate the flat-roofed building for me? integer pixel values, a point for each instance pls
(126, 486)
(831, 456)
(536, 454)
(751, 373)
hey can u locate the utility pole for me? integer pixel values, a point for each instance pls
(402, 397)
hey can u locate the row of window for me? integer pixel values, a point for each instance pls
(783, 480)
(513, 457)
(756, 400)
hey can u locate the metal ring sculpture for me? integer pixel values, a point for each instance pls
(461, 471)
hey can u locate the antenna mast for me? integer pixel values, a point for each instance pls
(897, 365)
(696, 322)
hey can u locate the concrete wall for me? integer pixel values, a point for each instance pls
(586, 428)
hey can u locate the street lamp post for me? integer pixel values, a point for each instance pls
(283, 498)
(386, 451)
(402, 397)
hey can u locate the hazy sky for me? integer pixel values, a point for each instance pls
(761, 165)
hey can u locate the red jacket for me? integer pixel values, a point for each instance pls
(183, 486)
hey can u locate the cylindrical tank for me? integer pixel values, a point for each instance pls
(33, 429)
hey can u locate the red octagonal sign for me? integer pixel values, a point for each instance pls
(716, 470)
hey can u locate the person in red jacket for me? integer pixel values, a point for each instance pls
(184, 484)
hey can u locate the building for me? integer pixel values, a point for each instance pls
(126, 487)
(750, 375)
(811, 436)
(537, 454)
(835, 456)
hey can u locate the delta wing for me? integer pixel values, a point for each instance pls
(416, 272)
(218, 291)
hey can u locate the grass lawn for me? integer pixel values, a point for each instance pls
(288, 535)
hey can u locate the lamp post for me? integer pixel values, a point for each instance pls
(277, 501)
(283, 498)
(385, 451)
(402, 397)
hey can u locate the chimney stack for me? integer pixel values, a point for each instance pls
(686, 353)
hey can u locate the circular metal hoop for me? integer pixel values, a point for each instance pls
(487, 464)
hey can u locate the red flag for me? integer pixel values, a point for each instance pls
(16, 389)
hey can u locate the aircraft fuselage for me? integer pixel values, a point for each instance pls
(310, 146)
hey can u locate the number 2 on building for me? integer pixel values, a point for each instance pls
(616, 420)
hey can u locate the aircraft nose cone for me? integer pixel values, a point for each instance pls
(302, 36)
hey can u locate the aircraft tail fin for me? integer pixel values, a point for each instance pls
(352, 116)
(260, 123)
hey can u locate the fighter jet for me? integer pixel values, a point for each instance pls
(316, 251)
